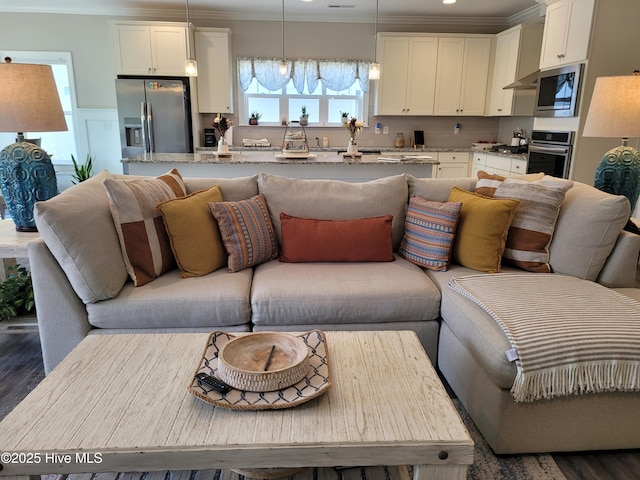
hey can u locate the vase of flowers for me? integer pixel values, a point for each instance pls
(222, 124)
(354, 126)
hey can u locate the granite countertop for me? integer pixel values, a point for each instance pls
(270, 156)
(517, 156)
(385, 150)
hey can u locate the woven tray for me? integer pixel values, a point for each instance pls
(314, 384)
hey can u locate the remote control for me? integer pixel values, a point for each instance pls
(212, 382)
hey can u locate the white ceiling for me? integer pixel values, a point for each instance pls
(391, 11)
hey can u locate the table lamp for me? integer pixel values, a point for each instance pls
(29, 102)
(615, 112)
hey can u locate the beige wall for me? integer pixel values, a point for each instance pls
(86, 37)
(614, 50)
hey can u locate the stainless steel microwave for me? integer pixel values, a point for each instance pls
(558, 91)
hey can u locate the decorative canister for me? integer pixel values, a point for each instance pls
(400, 140)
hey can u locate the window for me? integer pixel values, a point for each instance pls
(325, 88)
(59, 145)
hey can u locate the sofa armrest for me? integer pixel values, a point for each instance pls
(619, 271)
(62, 316)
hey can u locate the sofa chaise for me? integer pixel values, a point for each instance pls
(84, 285)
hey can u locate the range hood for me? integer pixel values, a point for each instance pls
(528, 82)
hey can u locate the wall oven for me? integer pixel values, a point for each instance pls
(550, 152)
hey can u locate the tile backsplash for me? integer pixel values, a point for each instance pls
(438, 131)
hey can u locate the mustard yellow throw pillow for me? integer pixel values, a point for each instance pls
(482, 230)
(193, 232)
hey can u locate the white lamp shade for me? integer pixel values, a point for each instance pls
(29, 100)
(615, 108)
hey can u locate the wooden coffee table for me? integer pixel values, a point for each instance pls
(119, 403)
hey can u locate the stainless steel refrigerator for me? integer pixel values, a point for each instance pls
(154, 116)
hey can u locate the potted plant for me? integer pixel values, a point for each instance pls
(253, 119)
(82, 172)
(16, 293)
(304, 116)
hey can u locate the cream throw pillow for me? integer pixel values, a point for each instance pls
(143, 238)
(534, 222)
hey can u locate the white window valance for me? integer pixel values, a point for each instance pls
(334, 74)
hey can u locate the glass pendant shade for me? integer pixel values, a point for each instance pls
(191, 67)
(374, 71)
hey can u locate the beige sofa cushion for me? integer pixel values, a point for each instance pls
(219, 299)
(438, 189)
(335, 200)
(233, 189)
(342, 293)
(78, 229)
(586, 231)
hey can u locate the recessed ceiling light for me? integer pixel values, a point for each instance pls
(447, 2)
(307, 0)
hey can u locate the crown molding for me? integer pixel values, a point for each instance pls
(534, 14)
(531, 15)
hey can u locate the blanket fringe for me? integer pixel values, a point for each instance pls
(577, 380)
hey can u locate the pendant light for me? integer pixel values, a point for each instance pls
(190, 64)
(374, 67)
(283, 64)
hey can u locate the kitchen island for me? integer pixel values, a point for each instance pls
(321, 164)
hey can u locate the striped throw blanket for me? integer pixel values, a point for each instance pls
(571, 336)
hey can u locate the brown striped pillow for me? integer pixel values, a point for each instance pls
(145, 245)
(532, 227)
(487, 183)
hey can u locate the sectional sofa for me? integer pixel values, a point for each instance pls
(369, 278)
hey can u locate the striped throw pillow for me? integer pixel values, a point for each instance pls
(487, 183)
(247, 232)
(430, 229)
(143, 238)
(533, 225)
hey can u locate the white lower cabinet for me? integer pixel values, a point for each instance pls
(452, 165)
(500, 165)
(478, 162)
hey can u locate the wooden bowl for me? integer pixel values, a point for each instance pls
(263, 361)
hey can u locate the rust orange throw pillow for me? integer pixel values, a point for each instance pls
(358, 240)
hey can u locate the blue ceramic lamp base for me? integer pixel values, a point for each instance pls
(26, 176)
(619, 173)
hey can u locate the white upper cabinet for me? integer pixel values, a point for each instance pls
(517, 55)
(462, 74)
(141, 48)
(567, 29)
(213, 53)
(407, 81)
